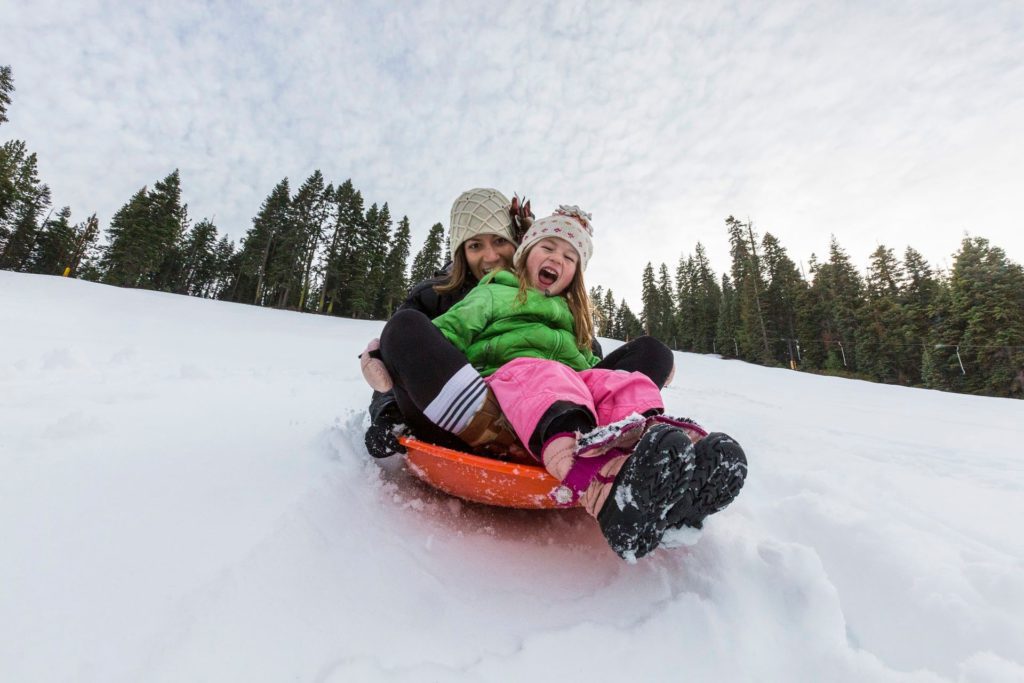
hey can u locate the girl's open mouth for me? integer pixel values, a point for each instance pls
(547, 277)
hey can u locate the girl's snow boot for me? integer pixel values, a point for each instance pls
(488, 430)
(586, 463)
(692, 429)
(648, 486)
(721, 469)
(629, 475)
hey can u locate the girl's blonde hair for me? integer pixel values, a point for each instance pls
(575, 295)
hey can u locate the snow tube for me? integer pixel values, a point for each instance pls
(480, 479)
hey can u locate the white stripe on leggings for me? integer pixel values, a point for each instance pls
(460, 399)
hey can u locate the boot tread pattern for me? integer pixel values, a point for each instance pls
(721, 472)
(647, 487)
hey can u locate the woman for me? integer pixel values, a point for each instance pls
(485, 227)
(482, 239)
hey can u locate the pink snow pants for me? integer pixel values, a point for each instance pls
(527, 387)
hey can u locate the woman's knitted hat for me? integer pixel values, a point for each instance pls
(481, 211)
(569, 223)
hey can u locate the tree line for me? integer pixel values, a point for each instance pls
(901, 323)
(320, 249)
(316, 249)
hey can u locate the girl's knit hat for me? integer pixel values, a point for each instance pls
(481, 211)
(569, 223)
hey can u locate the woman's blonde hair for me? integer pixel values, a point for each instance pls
(576, 296)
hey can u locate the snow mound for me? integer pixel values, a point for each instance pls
(185, 496)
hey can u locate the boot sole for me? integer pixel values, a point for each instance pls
(721, 470)
(647, 488)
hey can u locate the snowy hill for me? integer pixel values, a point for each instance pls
(184, 496)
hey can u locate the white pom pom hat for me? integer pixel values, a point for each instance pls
(569, 223)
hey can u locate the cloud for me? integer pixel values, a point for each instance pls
(894, 124)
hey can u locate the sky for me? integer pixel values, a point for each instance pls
(880, 123)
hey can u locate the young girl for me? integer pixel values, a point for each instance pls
(600, 432)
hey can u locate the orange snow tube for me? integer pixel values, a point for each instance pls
(482, 480)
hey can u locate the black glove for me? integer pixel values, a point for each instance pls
(386, 424)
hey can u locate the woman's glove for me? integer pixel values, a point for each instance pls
(386, 425)
(374, 372)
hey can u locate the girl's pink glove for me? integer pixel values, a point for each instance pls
(374, 372)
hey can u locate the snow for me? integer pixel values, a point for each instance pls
(184, 495)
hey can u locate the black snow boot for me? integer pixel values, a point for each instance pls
(649, 485)
(721, 469)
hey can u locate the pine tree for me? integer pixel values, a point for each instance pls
(748, 279)
(167, 224)
(650, 315)
(683, 312)
(126, 260)
(810, 316)
(310, 209)
(199, 260)
(23, 201)
(144, 238)
(379, 241)
(373, 240)
(428, 259)
(601, 323)
(86, 254)
(987, 304)
(17, 177)
(835, 295)
(880, 341)
(940, 364)
(706, 299)
(667, 331)
(225, 268)
(329, 259)
(25, 229)
(54, 245)
(630, 327)
(727, 333)
(604, 310)
(293, 234)
(347, 270)
(697, 300)
(609, 310)
(6, 88)
(394, 285)
(781, 297)
(919, 294)
(258, 247)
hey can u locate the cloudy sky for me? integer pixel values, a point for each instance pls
(881, 123)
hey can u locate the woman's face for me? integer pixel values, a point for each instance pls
(551, 265)
(485, 253)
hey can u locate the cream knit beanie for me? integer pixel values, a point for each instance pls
(481, 211)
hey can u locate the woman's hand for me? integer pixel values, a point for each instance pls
(374, 372)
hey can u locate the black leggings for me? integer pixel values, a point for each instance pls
(421, 361)
(643, 354)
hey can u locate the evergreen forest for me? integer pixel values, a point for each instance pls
(318, 248)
